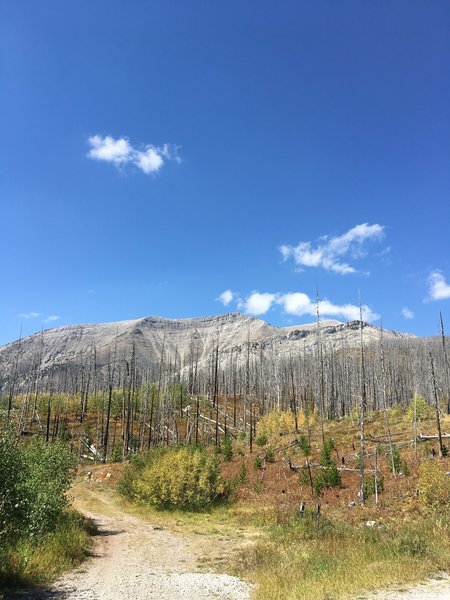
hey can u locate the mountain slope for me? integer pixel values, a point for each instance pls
(183, 341)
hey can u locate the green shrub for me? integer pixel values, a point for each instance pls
(12, 502)
(138, 462)
(404, 468)
(184, 478)
(270, 454)
(117, 453)
(303, 478)
(242, 477)
(34, 479)
(329, 475)
(305, 446)
(395, 460)
(227, 449)
(257, 463)
(369, 486)
(262, 440)
(48, 477)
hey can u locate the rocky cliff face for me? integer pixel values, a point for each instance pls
(180, 340)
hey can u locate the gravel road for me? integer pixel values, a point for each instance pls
(135, 560)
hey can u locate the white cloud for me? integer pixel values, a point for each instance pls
(30, 315)
(149, 161)
(407, 313)
(328, 252)
(300, 304)
(439, 289)
(120, 152)
(52, 319)
(107, 148)
(226, 297)
(257, 304)
(296, 303)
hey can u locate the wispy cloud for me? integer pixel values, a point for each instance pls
(52, 319)
(438, 288)
(30, 315)
(329, 251)
(119, 152)
(226, 297)
(407, 313)
(300, 304)
(35, 315)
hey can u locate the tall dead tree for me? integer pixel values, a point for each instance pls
(362, 410)
(446, 364)
(436, 404)
(385, 408)
(322, 370)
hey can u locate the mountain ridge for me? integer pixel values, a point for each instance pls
(185, 340)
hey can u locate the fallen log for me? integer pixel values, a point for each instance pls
(424, 438)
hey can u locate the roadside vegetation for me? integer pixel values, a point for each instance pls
(39, 535)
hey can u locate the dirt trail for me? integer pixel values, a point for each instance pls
(135, 560)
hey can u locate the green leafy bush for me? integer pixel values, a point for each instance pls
(34, 479)
(184, 478)
(12, 502)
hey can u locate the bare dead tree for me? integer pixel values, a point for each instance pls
(436, 403)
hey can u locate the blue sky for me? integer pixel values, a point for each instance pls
(191, 158)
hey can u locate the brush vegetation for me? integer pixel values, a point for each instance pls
(186, 478)
(39, 537)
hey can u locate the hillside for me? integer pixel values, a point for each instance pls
(184, 341)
